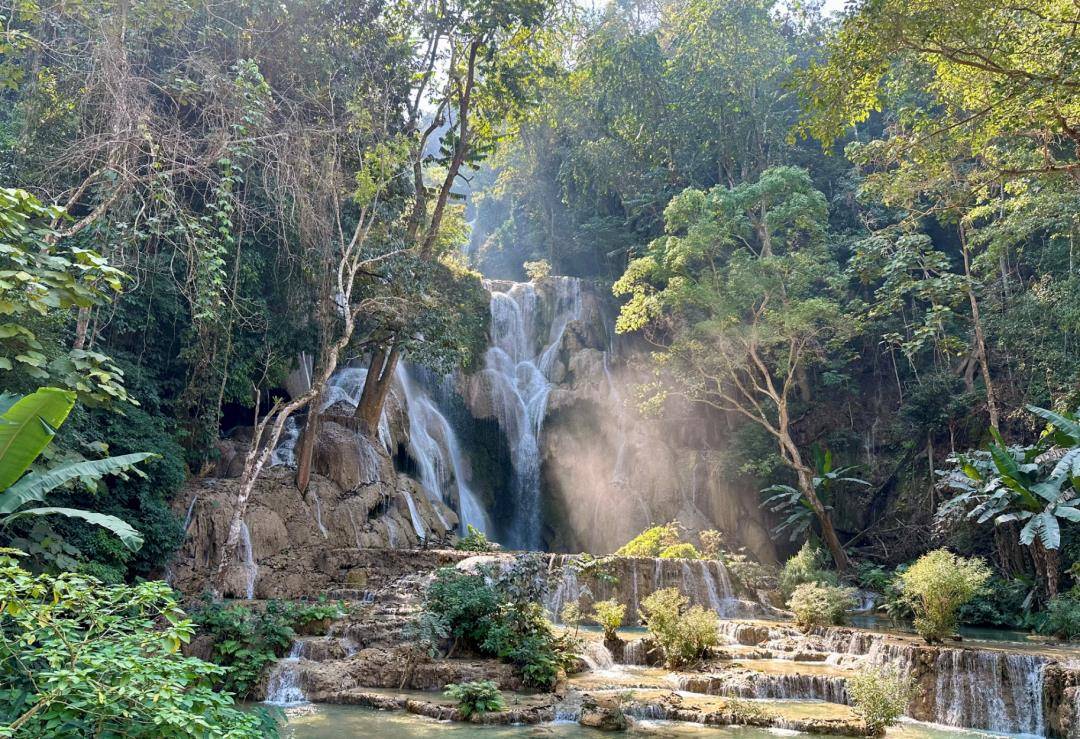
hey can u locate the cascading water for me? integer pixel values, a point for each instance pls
(433, 445)
(247, 562)
(517, 367)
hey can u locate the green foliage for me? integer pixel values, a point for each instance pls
(1036, 485)
(475, 541)
(27, 426)
(572, 616)
(609, 615)
(1062, 617)
(78, 658)
(936, 586)
(819, 604)
(750, 574)
(685, 634)
(682, 550)
(1003, 603)
(247, 641)
(476, 698)
(497, 613)
(748, 712)
(880, 696)
(537, 270)
(38, 281)
(791, 502)
(807, 566)
(650, 542)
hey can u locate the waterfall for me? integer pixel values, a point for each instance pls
(442, 466)
(991, 690)
(519, 380)
(283, 687)
(435, 448)
(285, 452)
(251, 569)
(190, 511)
(597, 656)
(414, 515)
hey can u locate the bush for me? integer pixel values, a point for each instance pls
(609, 614)
(651, 541)
(537, 270)
(818, 604)
(683, 633)
(1062, 618)
(78, 658)
(476, 698)
(879, 696)
(571, 615)
(475, 541)
(497, 613)
(749, 573)
(937, 586)
(680, 551)
(1002, 603)
(806, 566)
(747, 712)
(712, 544)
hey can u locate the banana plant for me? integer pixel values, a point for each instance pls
(27, 426)
(1017, 483)
(791, 503)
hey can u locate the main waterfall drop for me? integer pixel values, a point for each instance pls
(517, 375)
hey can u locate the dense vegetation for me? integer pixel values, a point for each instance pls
(845, 246)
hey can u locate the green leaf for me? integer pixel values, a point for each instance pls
(1065, 425)
(35, 486)
(27, 427)
(131, 538)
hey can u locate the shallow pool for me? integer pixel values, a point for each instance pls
(341, 722)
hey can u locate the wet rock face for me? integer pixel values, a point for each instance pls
(289, 532)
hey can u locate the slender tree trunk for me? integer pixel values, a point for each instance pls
(828, 533)
(1046, 563)
(306, 454)
(980, 336)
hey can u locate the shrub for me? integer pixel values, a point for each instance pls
(497, 613)
(246, 641)
(1062, 618)
(1002, 603)
(651, 541)
(680, 551)
(879, 696)
(936, 586)
(806, 566)
(683, 633)
(749, 573)
(537, 270)
(818, 604)
(475, 541)
(609, 614)
(476, 698)
(712, 544)
(743, 711)
(78, 658)
(572, 616)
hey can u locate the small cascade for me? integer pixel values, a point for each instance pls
(283, 687)
(247, 561)
(190, 511)
(983, 689)
(635, 652)
(517, 368)
(285, 452)
(598, 657)
(767, 686)
(414, 515)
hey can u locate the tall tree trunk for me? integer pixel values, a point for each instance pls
(306, 453)
(828, 533)
(377, 385)
(980, 336)
(1046, 564)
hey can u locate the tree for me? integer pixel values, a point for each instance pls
(936, 586)
(492, 54)
(741, 299)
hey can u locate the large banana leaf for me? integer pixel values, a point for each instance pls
(131, 538)
(1067, 426)
(27, 427)
(35, 486)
